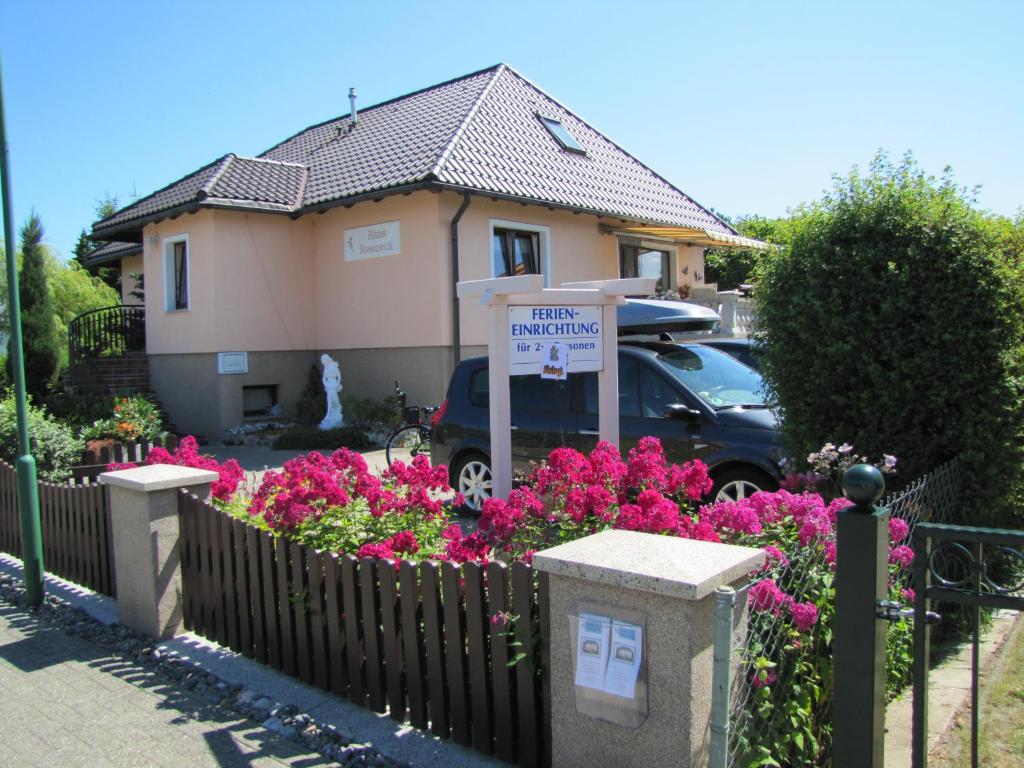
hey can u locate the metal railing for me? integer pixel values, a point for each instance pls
(107, 332)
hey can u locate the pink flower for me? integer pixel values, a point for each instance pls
(908, 594)
(773, 557)
(766, 596)
(804, 616)
(763, 678)
(901, 555)
(898, 530)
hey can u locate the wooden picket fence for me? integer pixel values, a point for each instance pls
(415, 640)
(75, 529)
(95, 463)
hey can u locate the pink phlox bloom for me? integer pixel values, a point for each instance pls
(763, 678)
(901, 555)
(766, 595)
(774, 557)
(691, 478)
(908, 594)
(804, 616)
(899, 530)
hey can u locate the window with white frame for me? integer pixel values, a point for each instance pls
(176, 269)
(519, 249)
(641, 260)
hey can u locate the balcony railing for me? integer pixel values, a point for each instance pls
(107, 332)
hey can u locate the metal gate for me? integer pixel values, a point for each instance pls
(974, 567)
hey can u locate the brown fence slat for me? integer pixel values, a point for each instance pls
(433, 631)
(526, 700)
(284, 605)
(242, 600)
(228, 585)
(108, 532)
(273, 625)
(90, 557)
(299, 599)
(187, 562)
(257, 585)
(478, 657)
(353, 629)
(504, 715)
(317, 623)
(455, 643)
(205, 570)
(193, 587)
(412, 644)
(391, 637)
(335, 634)
(217, 579)
(371, 634)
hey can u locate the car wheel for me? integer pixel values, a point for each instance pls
(740, 483)
(471, 476)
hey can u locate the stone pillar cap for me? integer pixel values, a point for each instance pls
(665, 565)
(158, 477)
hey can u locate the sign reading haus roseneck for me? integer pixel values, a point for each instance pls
(383, 239)
(533, 329)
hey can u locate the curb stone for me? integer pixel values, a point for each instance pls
(284, 720)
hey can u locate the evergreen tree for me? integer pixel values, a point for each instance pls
(38, 325)
(109, 275)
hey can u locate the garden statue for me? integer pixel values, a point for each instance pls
(332, 386)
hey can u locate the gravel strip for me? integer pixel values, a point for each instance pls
(285, 720)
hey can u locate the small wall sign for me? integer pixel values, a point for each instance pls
(383, 239)
(232, 362)
(532, 330)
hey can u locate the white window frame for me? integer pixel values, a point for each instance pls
(673, 257)
(543, 235)
(167, 245)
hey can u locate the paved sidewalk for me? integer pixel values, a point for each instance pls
(64, 702)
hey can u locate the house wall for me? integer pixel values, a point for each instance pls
(130, 265)
(281, 290)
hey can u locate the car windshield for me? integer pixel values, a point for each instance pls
(718, 379)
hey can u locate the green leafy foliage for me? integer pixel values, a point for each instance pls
(729, 267)
(54, 445)
(312, 405)
(134, 417)
(307, 438)
(370, 414)
(891, 316)
(74, 291)
(40, 337)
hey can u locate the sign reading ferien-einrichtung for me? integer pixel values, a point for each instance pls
(532, 330)
(375, 240)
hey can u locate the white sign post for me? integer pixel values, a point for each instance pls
(527, 322)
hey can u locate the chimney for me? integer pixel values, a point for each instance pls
(352, 103)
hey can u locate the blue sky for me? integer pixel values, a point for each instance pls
(749, 107)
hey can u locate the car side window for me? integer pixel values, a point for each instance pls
(479, 388)
(532, 393)
(629, 392)
(655, 393)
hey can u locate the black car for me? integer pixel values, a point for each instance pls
(742, 349)
(701, 403)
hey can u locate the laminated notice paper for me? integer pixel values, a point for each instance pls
(623, 659)
(592, 650)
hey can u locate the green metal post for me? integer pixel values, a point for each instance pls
(28, 489)
(721, 678)
(862, 538)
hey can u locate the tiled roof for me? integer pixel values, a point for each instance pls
(480, 133)
(112, 251)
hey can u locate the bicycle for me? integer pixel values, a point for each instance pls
(413, 434)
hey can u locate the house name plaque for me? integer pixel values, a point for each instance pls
(375, 240)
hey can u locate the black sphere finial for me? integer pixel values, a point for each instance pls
(863, 484)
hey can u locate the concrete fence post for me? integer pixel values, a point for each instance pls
(645, 698)
(147, 557)
(729, 304)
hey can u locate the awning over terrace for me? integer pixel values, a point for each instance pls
(705, 237)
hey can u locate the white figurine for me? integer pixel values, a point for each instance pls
(332, 386)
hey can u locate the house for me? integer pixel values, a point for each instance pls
(349, 237)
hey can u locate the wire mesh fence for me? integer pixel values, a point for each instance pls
(768, 720)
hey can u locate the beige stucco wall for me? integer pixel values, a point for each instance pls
(130, 265)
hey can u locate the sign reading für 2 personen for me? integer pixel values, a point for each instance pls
(533, 329)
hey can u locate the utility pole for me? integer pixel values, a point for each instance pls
(28, 489)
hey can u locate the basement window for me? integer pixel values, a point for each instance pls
(258, 400)
(562, 135)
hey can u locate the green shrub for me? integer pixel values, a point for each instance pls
(54, 445)
(132, 417)
(312, 405)
(367, 413)
(892, 319)
(78, 410)
(729, 267)
(305, 438)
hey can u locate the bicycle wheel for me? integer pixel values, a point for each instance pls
(407, 442)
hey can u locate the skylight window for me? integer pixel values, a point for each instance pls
(562, 135)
